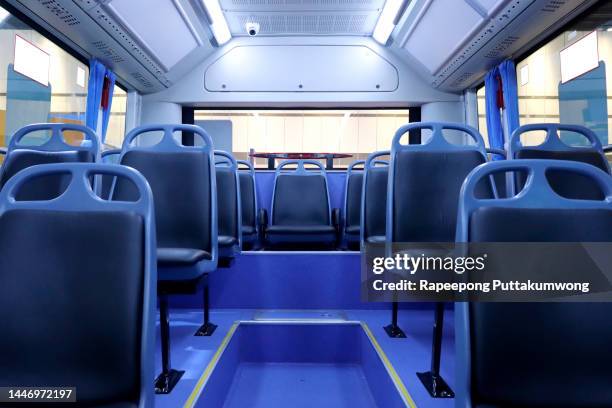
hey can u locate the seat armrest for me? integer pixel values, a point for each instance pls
(262, 223)
(336, 221)
(262, 218)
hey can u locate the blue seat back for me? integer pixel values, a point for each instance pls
(54, 149)
(518, 354)
(248, 196)
(352, 195)
(183, 182)
(229, 210)
(78, 287)
(572, 186)
(374, 198)
(425, 179)
(300, 196)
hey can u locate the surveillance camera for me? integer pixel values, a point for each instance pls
(252, 28)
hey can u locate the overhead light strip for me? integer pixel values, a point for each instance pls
(388, 19)
(218, 24)
(3, 14)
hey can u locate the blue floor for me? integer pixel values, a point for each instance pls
(407, 356)
(297, 385)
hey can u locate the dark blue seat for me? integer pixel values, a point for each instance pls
(299, 220)
(183, 182)
(248, 205)
(21, 154)
(534, 354)
(352, 205)
(77, 288)
(374, 199)
(572, 185)
(229, 212)
(422, 200)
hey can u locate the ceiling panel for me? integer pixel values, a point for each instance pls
(491, 6)
(454, 20)
(146, 28)
(301, 68)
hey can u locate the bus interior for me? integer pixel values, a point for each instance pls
(193, 194)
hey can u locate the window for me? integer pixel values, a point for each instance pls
(116, 123)
(39, 81)
(356, 132)
(482, 114)
(569, 79)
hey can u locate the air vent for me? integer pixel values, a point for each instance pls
(489, 31)
(553, 6)
(304, 24)
(141, 78)
(107, 51)
(464, 77)
(252, 5)
(56, 8)
(501, 47)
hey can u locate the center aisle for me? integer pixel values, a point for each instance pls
(407, 356)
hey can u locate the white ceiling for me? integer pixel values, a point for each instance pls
(153, 44)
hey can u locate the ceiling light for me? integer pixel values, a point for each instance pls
(388, 20)
(218, 24)
(3, 14)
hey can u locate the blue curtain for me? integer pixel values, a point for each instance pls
(106, 111)
(494, 124)
(97, 71)
(507, 71)
(98, 75)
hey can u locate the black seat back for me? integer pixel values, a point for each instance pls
(425, 180)
(374, 198)
(300, 196)
(572, 185)
(352, 198)
(228, 197)
(77, 288)
(519, 353)
(248, 198)
(54, 149)
(183, 182)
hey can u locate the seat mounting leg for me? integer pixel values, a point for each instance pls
(165, 382)
(433, 382)
(208, 328)
(393, 330)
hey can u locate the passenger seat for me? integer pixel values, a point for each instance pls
(77, 288)
(301, 217)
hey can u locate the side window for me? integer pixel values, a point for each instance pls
(116, 124)
(482, 114)
(569, 80)
(39, 81)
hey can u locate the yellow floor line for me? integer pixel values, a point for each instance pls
(209, 368)
(394, 376)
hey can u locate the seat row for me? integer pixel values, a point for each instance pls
(156, 233)
(441, 191)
